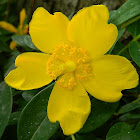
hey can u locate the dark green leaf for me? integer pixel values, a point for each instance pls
(100, 113)
(130, 106)
(134, 49)
(90, 136)
(129, 116)
(29, 94)
(5, 106)
(34, 123)
(120, 33)
(4, 47)
(10, 62)
(121, 131)
(137, 130)
(134, 28)
(118, 47)
(14, 117)
(128, 10)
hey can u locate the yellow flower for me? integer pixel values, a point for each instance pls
(74, 57)
(21, 30)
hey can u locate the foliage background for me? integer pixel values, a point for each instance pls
(23, 113)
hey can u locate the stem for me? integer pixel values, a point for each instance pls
(134, 39)
(130, 22)
(73, 137)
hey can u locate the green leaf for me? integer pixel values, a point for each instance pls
(5, 106)
(19, 39)
(4, 47)
(118, 47)
(29, 94)
(14, 117)
(137, 130)
(29, 43)
(24, 41)
(120, 33)
(10, 62)
(100, 113)
(33, 123)
(130, 106)
(129, 116)
(128, 10)
(134, 28)
(134, 49)
(121, 131)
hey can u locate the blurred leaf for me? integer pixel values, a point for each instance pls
(128, 10)
(134, 28)
(14, 117)
(2, 59)
(120, 33)
(4, 32)
(34, 123)
(130, 106)
(121, 131)
(3, 1)
(5, 106)
(24, 41)
(19, 39)
(100, 113)
(4, 47)
(134, 49)
(137, 130)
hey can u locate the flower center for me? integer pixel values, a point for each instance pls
(69, 64)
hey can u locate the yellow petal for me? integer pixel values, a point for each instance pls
(26, 27)
(70, 107)
(89, 29)
(13, 45)
(31, 72)
(22, 17)
(7, 26)
(111, 75)
(48, 30)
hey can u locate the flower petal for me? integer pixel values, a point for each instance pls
(7, 26)
(26, 28)
(22, 18)
(70, 107)
(13, 45)
(48, 30)
(31, 72)
(111, 75)
(89, 29)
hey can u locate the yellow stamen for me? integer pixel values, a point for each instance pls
(69, 63)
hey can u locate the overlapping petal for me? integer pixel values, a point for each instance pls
(48, 30)
(31, 72)
(70, 107)
(89, 29)
(111, 75)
